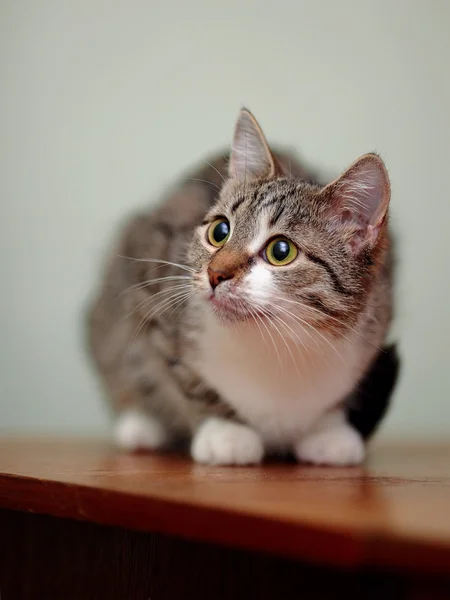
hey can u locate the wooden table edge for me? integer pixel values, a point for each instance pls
(312, 543)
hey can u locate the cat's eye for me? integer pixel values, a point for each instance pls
(280, 252)
(219, 232)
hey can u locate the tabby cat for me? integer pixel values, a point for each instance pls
(248, 313)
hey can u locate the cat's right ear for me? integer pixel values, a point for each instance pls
(250, 153)
(358, 201)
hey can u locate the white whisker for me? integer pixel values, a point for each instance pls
(282, 337)
(159, 261)
(310, 355)
(165, 303)
(306, 307)
(153, 296)
(144, 284)
(190, 294)
(216, 170)
(315, 330)
(203, 181)
(255, 316)
(271, 337)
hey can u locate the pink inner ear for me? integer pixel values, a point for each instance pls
(362, 191)
(360, 199)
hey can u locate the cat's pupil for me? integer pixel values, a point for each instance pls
(221, 230)
(280, 250)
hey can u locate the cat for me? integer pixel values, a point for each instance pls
(248, 313)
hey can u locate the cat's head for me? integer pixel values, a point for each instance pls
(274, 246)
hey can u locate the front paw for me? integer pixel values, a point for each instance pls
(339, 446)
(138, 431)
(221, 442)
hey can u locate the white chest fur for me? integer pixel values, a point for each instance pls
(280, 392)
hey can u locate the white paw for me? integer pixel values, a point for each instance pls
(137, 431)
(340, 446)
(220, 442)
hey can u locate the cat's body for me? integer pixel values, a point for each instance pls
(242, 355)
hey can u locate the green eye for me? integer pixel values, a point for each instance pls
(219, 232)
(280, 252)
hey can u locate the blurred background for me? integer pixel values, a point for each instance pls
(104, 103)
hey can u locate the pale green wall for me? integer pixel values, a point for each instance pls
(103, 102)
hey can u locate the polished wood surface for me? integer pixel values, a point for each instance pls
(394, 512)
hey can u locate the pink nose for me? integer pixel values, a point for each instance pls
(215, 277)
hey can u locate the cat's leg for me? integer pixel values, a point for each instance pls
(136, 430)
(219, 441)
(151, 410)
(155, 413)
(331, 441)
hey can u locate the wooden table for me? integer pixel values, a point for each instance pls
(80, 520)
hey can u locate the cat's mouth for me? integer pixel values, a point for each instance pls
(232, 309)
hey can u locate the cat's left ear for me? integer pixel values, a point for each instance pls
(358, 201)
(250, 153)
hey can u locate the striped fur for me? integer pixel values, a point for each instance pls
(270, 360)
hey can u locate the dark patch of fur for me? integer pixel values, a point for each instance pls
(371, 400)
